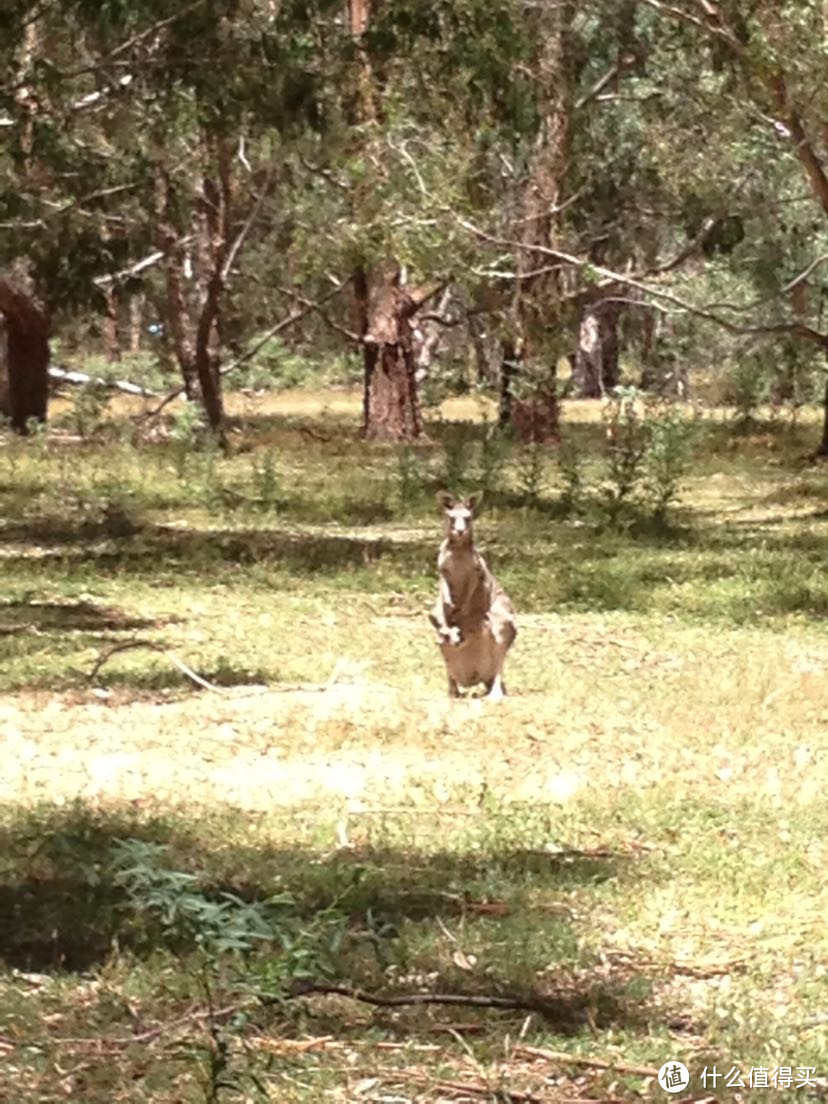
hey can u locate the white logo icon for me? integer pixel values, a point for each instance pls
(673, 1077)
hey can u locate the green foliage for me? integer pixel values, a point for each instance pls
(183, 913)
(646, 451)
(457, 473)
(276, 366)
(571, 468)
(670, 438)
(531, 461)
(747, 386)
(411, 477)
(626, 446)
(267, 482)
(88, 409)
(186, 435)
(496, 447)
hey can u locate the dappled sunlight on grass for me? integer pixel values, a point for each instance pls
(632, 840)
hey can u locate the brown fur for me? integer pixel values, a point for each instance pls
(473, 616)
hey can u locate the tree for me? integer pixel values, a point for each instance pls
(24, 363)
(768, 56)
(535, 306)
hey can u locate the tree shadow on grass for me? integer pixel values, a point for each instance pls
(189, 549)
(65, 911)
(60, 617)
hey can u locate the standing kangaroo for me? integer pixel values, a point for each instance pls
(474, 619)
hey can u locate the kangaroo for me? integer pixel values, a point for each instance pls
(474, 619)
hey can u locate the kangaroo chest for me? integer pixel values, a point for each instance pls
(469, 582)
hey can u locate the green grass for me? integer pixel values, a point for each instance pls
(631, 846)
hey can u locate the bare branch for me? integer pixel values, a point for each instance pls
(251, 352)
(626, 61)
(821, 259)
(255, 210)
(139, 266)
(636, 281)
(129, 645)
(314, 306)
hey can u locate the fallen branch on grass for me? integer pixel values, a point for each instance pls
(541, 1005)
(465, 1088)
(128, 645)
(563, 1056)
(116, 1041)
(81, 379)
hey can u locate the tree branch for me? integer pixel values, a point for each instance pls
(636, 281)
(313, 306)
(251, 352)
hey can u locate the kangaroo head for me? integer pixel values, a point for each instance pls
(459, 516)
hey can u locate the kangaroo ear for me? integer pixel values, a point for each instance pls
(444, 500)
(474, 502)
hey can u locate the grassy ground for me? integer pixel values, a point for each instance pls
(628, 853)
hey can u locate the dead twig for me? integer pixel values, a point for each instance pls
(114, 1042)
(128, 645)
(563, 1056)
(467, 1000)
(465, 1088)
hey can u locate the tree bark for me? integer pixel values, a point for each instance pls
(596, 360)
(176, 315)
(534, 308)
(484, 354)
(192, 321)
(213, 243)
(136, 321)
(24, 392)
(391, 407)
(823, 445)
(112, 343)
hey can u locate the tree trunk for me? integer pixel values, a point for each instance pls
(213, 238)
(136, 321)
(24, 392)
(391, 407)
(484, 355)
(192, 321)
(823, 445)
(112, 343)
(206, 359)
(176, 316)
(535, 306)
(509, 370)
(596, 361)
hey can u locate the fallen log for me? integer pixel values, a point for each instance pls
(81, 379)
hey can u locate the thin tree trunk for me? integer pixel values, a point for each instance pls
(136, 321)
(391, 408)
(112, 343)
(213, 242)
(177, 320)
(509, 370)
(26, 392)
(483, 354)
(596, 361)
(823, 445)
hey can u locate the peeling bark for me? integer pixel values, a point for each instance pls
(391, 403)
